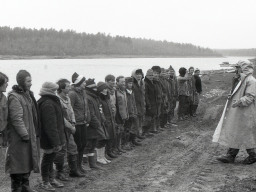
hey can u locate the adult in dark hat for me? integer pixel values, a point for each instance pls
(23, 131)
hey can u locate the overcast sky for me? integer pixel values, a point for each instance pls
(208, 23)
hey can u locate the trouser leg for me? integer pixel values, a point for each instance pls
(16, 180)
(47, 166)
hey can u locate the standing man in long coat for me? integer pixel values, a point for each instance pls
(3, 108)
(237, 126)
(23, 125)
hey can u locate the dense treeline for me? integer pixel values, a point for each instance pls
(33, 42)
(237, 52)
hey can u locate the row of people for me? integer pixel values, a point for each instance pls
(85, 119)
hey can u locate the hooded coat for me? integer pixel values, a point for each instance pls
(237, 126)
(52, 122)
(139, 93)
(96, 129)
(22, 157)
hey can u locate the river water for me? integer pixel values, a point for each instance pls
(54, 69)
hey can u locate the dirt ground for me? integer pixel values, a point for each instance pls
(179, 159)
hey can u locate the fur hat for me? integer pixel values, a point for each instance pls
(77, 80)
(90, 83)
(101, 86)
(156, 69)
(128, 80)
(48, 88)
(149, 72)
(21, 76)
(244, 64)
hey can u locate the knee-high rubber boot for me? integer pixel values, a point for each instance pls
(16, 185)
(72, 162)
(100, 158)
(92, 161)
(79, 162)
(104, 155)
(119, 143)
(194, 110)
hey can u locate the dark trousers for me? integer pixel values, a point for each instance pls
(47, 167)
(90, 146)
(163, 120)
(183, 105)
(80, 137)
(20, 182)
(101, 143)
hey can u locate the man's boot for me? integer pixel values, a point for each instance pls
(229, 157)
(25, 183)
(79, 163)
(119, 141)
(60, 172)
(133, 140)
(251, 158)
(92, 162)
(72, 162)
(16, 182)
(194, 110)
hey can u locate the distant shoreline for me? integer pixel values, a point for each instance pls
(26, 57)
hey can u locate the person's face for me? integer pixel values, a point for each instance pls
(104, 92)
(111, 83)
(155, 75)
(239, 70)
(4, 86)
(138, 76)
(121, 82)
(82, 86)
(191, 71)
(172, 73)
(67, 88)
(28, 83)
(168, 73)
(150, 77)
(129, 85)
(197, 73)
(246, 69)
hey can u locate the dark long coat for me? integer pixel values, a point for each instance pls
(109, 116)
(22, 157)
(96, 129)
(52, 122)
(150, 98)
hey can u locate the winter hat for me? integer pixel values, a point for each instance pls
(139, 71)
(90, 83)
(197, 70)
(21, 76)
(101, 86)
(128, 80)
(48, 88)
(149, 72)
(156, 69)
(244, 64)
(77, 80)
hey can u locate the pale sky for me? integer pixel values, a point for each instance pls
(207, 23)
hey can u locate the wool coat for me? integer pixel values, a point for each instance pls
(3, 112)
(52, 122)
(96, 129)
(237, 126)
(109, 116)
(139, 94)
(122, 113)
(22, 156)
(159, 96)
(132, 109)
(80, 106)
(150, 98)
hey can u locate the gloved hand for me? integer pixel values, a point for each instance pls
(235, 103)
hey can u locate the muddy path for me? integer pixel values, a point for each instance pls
(179, 159)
